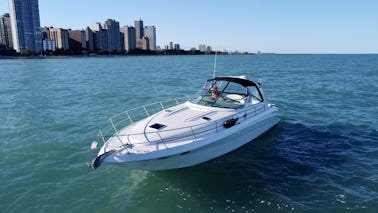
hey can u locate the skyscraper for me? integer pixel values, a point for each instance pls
(49, 45)
(77, 40)
(139, 29)
(105, 40)
(5, 31)
(129, 38)
(45, 32)
(114, 36)
(177, 46)
(61, 37)
(143, 43)
(150, 33)
(89, 39)
(96, 27)
(97, 36)
(202, 47)
(24, 19)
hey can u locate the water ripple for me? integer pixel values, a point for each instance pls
(321, 157)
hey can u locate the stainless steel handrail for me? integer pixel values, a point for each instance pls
(161, 105)
(113, 130)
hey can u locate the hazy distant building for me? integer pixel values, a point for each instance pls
(171, 45)
(139, 29)
(6, 31)
(24, 19)
(143, 43)
(61, 37)
(202, 47)
(113, 31)
(77, 40)
(129, 41)
(150, 33)
(177, 46)
(209, 49)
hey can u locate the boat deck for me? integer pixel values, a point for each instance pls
(176, 126)
(188, 123)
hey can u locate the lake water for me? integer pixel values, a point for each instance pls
(323, 155)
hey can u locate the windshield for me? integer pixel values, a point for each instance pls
(224, 94)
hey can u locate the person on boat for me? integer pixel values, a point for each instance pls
(214, 91)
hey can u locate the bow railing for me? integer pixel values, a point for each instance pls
(192, 132)
(128, 117)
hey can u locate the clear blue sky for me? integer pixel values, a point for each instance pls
(281, 26)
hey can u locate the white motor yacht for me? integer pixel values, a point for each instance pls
(227, 113)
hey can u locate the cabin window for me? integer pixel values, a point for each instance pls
(254, 95)
(233, 88)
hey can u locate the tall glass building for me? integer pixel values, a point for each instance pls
(139, 29)
(26, 32)
(129, 38)
(5, 31)
(114, 39)
(150, 33)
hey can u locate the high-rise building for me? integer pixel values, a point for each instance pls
(202, 47)
(143, 43)
(24, 19)
(45, 32)
(122, 36)
(150, 33)
(48, 45)
(97, 36)
(105, 40)
(177, 46)
(89, 39)
(132, 38)
(77, 39)
(61, 37)
(114, 39)
(129, 38)
(139, 29)
(96, 27)
(6, 31)
(171, 45)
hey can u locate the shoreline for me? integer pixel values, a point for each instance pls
(104, 56)
(142, 55)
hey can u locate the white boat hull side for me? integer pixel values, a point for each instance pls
(242, 134)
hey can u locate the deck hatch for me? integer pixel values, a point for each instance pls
(206, 118)
(158, 126)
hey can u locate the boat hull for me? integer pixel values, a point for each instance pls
(223, 143)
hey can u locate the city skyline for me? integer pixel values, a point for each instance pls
(292, 26)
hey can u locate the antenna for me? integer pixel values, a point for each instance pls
(215, 64)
